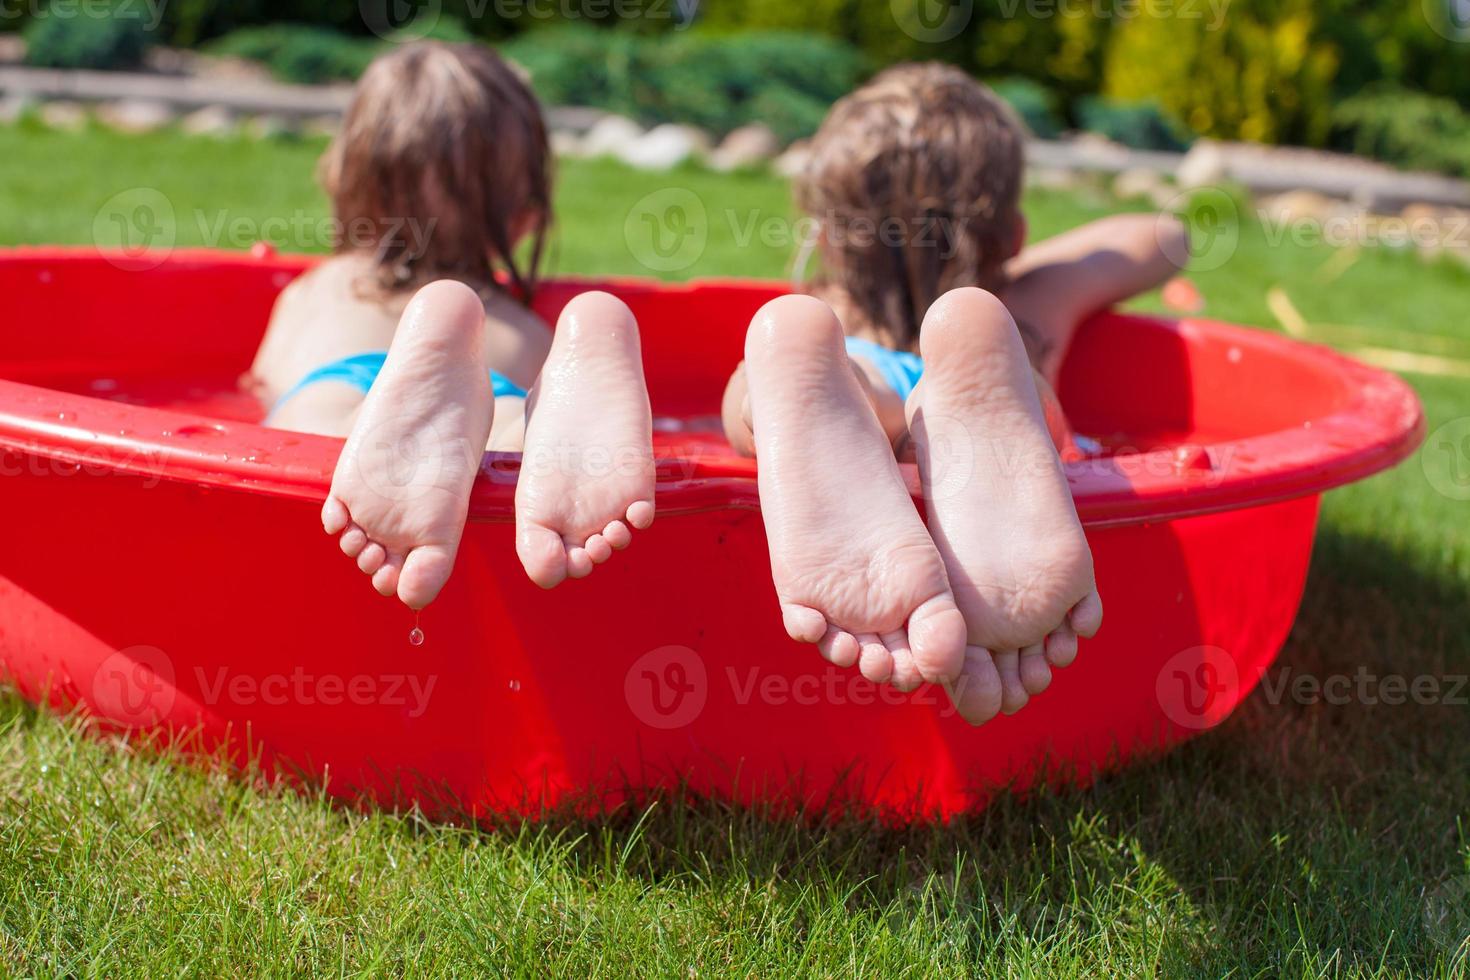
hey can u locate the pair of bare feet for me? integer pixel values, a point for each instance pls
(985, 601)
(400, 494)
(997, 589)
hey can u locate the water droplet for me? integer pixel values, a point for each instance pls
(66, 416)
(416, 636)
(515, 686)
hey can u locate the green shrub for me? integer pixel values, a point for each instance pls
(1265, 73)
(1142, 125)
(442, 28)
(299, 53)
(1409, 129)
(717, 82)
(108, 38)
(721, 82)
(1033, 103)
(580, 65)
(790, 114)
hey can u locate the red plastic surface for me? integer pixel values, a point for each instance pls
(164, 570)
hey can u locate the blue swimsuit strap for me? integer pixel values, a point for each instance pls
(361, 370)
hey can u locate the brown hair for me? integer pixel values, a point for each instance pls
(915, 179)
(442, 153)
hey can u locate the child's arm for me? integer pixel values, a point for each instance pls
(1057, 283)
(1110, 259)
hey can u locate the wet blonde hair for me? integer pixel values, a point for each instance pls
(443, 153)
(936, 158)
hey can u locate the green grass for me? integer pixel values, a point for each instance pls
(1297, 839)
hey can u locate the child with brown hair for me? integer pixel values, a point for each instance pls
(416, 341)
(909, 346)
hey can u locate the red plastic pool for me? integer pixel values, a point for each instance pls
(162, 566)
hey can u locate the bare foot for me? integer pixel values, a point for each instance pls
(587, 473)
(401, 490)
(999, 507)
(854, 569)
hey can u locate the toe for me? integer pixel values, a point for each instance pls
(906, 676)
(803, 624)
(874, 661)
(598, 549)
(385, 579)
(425, 571)
(839, 647)
(542, 555)
(352, 541)
(1035, 673)
(1061, 646)
(1086, 616)
(937, 638)
(334, 515)
(617, 535)
(371, 558)
(1013, 694)
(977, 693)
(579, 562)
(640, 514)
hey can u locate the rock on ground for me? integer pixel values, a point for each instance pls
(1294, 207)
(748, 146)
(565, 143)
(64, 115)
(135, 116)
(791, 163)
(213, 120)
(665, 147)
(610, 136)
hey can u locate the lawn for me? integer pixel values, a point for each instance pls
(1300, 839)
